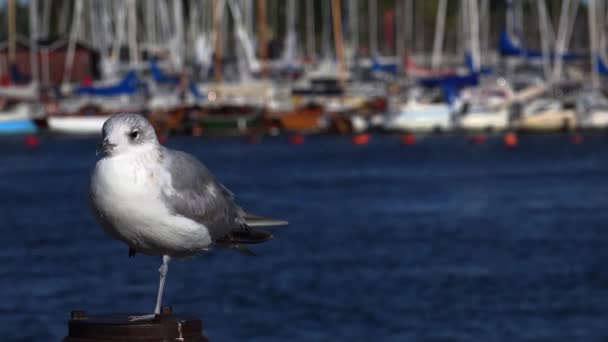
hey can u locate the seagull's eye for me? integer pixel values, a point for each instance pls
(134, 134)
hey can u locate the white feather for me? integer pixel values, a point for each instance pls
(126, 191)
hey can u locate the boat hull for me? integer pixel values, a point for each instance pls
(76, 124)
(547, 121)
(488, 121)
(429, 118)
(17, 126)
(595, 120)
(302, 120)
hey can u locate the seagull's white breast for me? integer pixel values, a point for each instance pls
(126, 193)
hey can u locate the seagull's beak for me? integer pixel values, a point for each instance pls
(105, 147)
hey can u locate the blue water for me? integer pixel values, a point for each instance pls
(441, 241)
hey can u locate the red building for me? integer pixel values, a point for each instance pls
(51, 59)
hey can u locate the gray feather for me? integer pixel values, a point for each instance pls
(199, 197)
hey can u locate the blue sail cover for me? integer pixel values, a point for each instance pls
(468, 60)
(471, 79)
(509, 48)
(195, 92)
(159, 76)
(377, 66)
(450, 85)
(602, 68)
(127, 86)
(17, 76)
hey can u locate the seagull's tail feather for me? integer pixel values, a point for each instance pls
(250, 236)
(237, 239)
(259, 221)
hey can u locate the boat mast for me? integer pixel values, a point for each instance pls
(593, 37)
(33, 16)
(337, 19)
(560, 45)
(474, 22)
(289, 49)
(326, 29)
(217, 67)
(132, 12)
(544, 38)
(353, 22)
(179, 33)
(439, 33)
(12, 32)
(69, 59)
(310, 29)
(46, 16)
(484, 24)
(262, 44)
(400, 44)
(373, 27)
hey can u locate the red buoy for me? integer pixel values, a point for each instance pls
(509, 139)
(162, 138)
(408, 139)
(296, 139)
(576, 139)
(361, 139)
(31, 141)
(197, 131)
(253, 139)
(478, 139)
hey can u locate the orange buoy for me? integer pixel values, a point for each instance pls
(296, 139)
(576, 139)
(31, 141)
(361, 139)
(509, 139)
(408, 139)
(478, 139)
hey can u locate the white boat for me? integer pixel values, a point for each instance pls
(479, 117)
(545, 114)
(421, 117)
(592, 110)
(485, 109)
(17, 118)
(26, 92)
(77, 124)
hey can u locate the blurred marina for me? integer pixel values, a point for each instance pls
(448, 225)
(239, 67)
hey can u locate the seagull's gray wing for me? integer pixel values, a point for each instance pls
(194, 193)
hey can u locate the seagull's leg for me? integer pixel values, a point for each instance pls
(164, 268)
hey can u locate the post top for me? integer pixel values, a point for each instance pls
(104, 328)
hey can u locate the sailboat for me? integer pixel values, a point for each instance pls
(545, 114)
(423, 111)
(17, 101)
(16, 117)
(486, 108)
(592, 104)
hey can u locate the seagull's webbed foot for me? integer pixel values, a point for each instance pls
(147, 317)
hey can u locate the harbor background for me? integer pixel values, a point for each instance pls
(444, 180)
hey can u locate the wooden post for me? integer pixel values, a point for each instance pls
(164, 327)
(217, 67)
(337, 16)
(262, 39)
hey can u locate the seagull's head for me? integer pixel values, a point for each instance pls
(126, 133)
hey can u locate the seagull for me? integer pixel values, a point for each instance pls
(163, 202)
